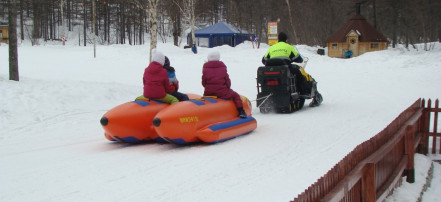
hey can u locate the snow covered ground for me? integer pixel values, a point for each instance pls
(52, 146)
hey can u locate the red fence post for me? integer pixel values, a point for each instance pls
(409, 140)
(434, 129)
(423, 147)
(368, 192)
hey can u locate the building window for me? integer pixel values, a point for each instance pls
(203, 42)
(374, 45)
(334, 46)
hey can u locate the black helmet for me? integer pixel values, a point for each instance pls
(282, 37)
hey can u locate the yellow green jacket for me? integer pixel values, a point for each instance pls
(284, 51)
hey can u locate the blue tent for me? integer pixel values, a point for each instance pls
(219, 34)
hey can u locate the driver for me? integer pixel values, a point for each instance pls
(289, 54)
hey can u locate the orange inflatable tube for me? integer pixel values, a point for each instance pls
(207, 120)
(131, 122)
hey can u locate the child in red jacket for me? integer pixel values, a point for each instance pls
(156, 83)
(216, 81)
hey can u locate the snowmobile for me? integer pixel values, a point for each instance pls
(277, 90)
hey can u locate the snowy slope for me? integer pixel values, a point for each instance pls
(52, 146)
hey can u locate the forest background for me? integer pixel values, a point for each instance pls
(307, 22)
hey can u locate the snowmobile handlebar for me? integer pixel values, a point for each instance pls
(305, 61)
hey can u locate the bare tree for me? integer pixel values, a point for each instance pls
(152, 8)
(84, 22)
(13, 54)
(153, 5)
(291, 21)
(190, 7)
(63, 39)
(306, 22)
(37, 18)
(94, 28)
(174, 15)
(21, 21)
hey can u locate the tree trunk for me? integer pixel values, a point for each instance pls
(69, 17)
(192, 21)
(63, 39)
(394, 28)
(13, 54)
(108, 23)
(45, 24)
(141, 26)
(153, 6)
(93, 28)
(176, 20)
(37, 18)
(21, 21)
(53, 21)
(292, 23)
(122, 24)
(129, 24)
(84, 22)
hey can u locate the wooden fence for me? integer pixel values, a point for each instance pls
(374, 168)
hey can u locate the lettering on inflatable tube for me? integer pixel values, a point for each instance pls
(189, 119)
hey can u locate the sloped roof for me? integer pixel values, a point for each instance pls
(358, 23)
(221, 28)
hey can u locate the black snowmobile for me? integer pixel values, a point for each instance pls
(277, 90)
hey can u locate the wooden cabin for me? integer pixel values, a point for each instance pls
(355, 38)
(4, 33)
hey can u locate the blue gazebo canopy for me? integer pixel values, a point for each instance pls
(219, 34)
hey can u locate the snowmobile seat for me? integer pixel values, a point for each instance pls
(277, 62)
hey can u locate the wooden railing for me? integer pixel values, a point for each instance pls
(374, 168)
(431, 131)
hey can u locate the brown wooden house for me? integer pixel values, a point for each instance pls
(356, 36)
(4, 33)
